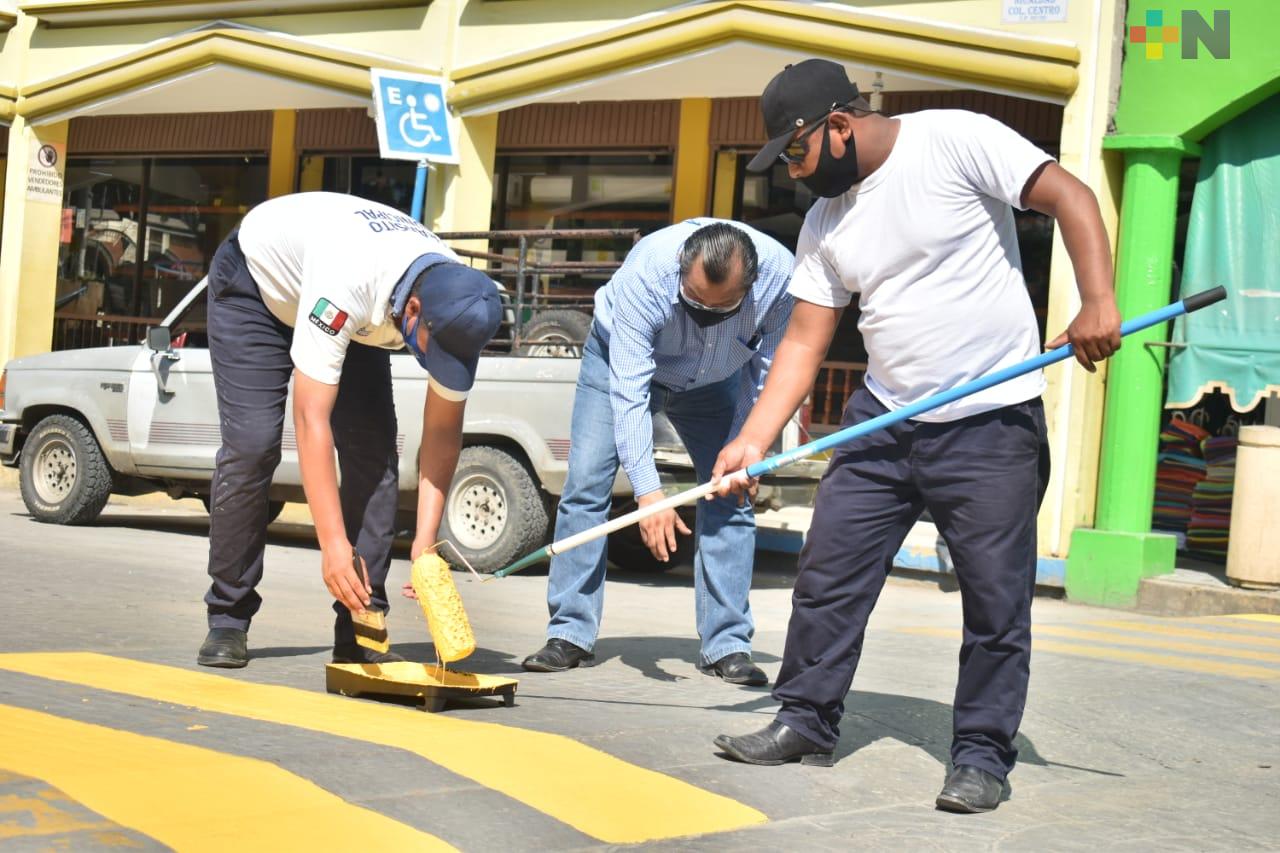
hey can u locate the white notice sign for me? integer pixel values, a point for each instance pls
(1034, 11)
(44, 171)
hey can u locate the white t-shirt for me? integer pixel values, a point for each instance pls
(326, 264)
(928, 243)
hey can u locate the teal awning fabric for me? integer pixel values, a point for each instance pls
(1233, 240)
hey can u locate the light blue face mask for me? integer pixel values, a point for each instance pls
(411, 338)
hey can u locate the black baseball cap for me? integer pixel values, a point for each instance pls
(462, 310)
(796, 97)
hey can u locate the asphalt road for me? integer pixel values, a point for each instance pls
(1141, 733)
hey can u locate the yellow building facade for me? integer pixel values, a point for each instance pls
(166, 119)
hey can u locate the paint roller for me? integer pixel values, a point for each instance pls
(1161, 315)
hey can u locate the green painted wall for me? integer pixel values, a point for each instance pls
(1166, 106)
(1192, 97)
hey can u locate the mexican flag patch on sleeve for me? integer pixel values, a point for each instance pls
(328, 317)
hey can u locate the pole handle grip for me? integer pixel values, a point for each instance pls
(1204, 298)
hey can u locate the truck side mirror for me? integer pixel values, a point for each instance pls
(158, 338)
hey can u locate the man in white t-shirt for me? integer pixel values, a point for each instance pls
(320, 288)
(915, 217)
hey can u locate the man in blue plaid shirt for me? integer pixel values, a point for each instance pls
(687, 326)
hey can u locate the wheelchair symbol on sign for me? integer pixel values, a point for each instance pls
(415, 127)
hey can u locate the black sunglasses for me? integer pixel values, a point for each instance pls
(798, 148)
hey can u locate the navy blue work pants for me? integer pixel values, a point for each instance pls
(249, 349)
(982, 479)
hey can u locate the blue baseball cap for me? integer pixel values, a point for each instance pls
(462, 310)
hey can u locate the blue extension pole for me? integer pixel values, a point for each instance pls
(419, 190)
(1160, 315)
(764, 466)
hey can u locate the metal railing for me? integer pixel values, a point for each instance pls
(79, 331)
(521, 271)
(837, 380)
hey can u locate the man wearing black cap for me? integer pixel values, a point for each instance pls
(915, 216)
(320, 288)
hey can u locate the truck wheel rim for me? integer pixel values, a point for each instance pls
(477, 512)
(554, 346)
(54, 471)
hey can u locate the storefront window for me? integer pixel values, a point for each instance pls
(583, 191)
(389, 182)
(138, 233)
(576, 191)
(772, 201)
(98, 256)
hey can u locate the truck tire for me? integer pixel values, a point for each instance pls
(557, 333)
(64, 477)
(494, 512)
(274, 508)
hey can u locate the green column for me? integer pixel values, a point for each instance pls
(1106, 563)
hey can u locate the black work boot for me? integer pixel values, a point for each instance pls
(737, 668)
(224, 647)
(776, 743)
(557, 656)
(970, 790)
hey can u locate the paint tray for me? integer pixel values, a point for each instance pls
(430, 684)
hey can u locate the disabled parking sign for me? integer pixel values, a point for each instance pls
(413, 120)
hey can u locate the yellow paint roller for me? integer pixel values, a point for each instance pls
(442, 605)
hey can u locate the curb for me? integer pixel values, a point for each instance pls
(1186, 593)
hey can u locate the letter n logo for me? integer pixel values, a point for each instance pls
(1216, 39)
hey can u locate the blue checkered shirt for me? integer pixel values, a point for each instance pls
(651, 339)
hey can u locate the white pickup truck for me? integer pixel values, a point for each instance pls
(84, 424)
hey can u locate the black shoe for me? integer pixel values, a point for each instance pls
(225, 647)
(737, 668)
(356, 653)
(970, 790)
(557, 656)
(775, 744)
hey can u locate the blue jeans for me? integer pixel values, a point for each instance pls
(725, 532)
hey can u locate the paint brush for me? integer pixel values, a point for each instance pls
(370, 625)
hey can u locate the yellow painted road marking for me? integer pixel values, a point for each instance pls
(1177, 630)
(192, 798)
(590, 790)
(1151, 643)
(1264, 618)
(49, 812)
(1178, 662)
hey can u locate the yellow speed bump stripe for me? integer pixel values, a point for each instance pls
(1163, 661)
(1179, 630)
(33, 809)
(1265, 618)
(182, 795)
(590, 790)
(1195, 648)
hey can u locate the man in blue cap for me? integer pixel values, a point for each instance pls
(320, 288)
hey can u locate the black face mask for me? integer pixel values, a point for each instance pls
(702, 316)
(833, 177)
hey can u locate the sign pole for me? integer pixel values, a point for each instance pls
(419, 190)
